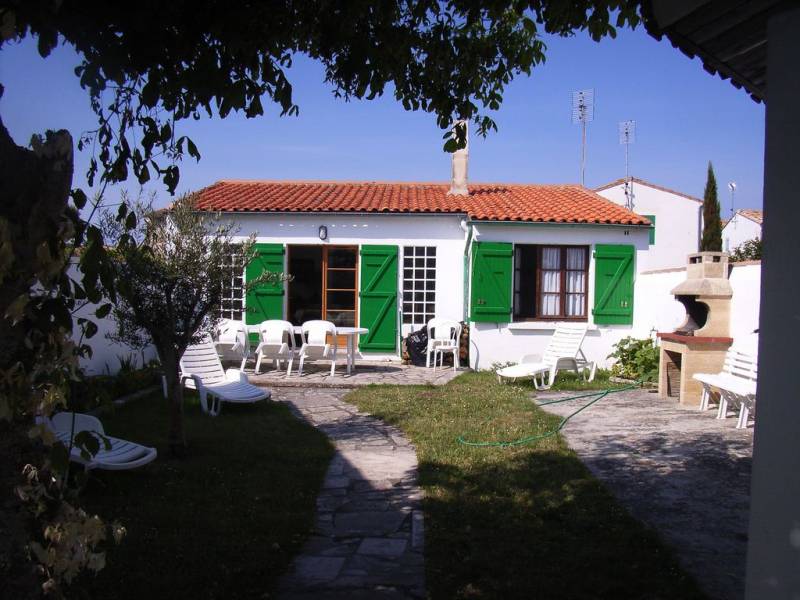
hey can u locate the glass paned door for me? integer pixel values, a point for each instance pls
(340, 264)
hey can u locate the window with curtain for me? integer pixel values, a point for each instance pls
(550, 282)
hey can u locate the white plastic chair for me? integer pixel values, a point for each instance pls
(736, 384)
(563, 352)
(444, 336)
(232, 342)
(276, 342)
(202, 370)
(121, 456)
(315, 343)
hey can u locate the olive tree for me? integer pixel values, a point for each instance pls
(169, 270)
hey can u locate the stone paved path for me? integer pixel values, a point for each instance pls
(365, 373)
(368, 540)
(678, 470)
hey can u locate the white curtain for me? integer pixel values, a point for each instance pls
(576, 281)
(551, 281)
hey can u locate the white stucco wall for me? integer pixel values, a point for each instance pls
(496, 343)
(442, 231)
(105, 352)
(739, 230)
(678, 222)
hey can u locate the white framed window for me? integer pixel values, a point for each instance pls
(232, 306)
(419, 284)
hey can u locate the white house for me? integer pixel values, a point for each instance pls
(743, 226)
(677, 219)
(509, 259)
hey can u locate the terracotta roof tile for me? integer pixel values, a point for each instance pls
(489, 202)
(756, 216)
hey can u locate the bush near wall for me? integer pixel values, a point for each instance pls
(635, 359)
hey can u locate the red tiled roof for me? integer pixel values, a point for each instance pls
(648, 184)
(486, 202)
(754, 215)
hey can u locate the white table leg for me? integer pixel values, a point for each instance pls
(350, 352)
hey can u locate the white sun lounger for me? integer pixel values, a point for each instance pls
(121, 456)
(563, 352)
(202, 370)
(736, 384)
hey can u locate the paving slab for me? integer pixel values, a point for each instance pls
(680, 471)
(369, 532)
(365, 373)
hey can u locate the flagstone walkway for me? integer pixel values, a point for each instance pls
(364, 373)
(368, 539)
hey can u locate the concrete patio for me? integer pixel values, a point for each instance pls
(680, 471)
(365, 373)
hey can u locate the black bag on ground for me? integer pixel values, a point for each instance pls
(417, 346)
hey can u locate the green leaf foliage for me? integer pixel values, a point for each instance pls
(635, 359)
(452, 59)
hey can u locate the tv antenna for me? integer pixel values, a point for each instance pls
(732, 188)
(627, 136)
(583, 113)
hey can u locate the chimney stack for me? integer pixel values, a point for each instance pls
(460, 159)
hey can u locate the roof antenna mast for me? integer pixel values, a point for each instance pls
(627, 136)
(583, 113)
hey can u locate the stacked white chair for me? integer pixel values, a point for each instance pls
(319, 343)
(563, 352)
(202, 370)
(444, 335)
(276, 342)
(231, 342)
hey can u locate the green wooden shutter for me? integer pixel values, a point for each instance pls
(491, 282)
(652, 219)
(264, 301)
(378, 308)
(613, 284)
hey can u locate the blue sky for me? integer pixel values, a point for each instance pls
(684, 118)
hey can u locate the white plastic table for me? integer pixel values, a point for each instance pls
(350, 333)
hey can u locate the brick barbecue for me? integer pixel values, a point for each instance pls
(700, 343)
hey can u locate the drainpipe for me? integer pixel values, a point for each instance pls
(466, 226)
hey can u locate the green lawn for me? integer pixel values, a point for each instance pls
(222, 522)
(522, 522)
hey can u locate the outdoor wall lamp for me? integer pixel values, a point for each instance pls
(323, 232)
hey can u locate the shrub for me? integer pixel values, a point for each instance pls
(749, 250)
(635, 359)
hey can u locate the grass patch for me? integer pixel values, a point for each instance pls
(522, 522)
(223, 522)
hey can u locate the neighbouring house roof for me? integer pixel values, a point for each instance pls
(648, 184)
(485, 202)
(757, 216)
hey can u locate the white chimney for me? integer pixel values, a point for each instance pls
(460, 159)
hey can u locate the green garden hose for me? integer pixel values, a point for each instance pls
(540, 436)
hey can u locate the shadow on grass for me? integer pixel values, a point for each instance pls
(522, 522)
(223, 522)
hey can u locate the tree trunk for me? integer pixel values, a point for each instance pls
(176, 436)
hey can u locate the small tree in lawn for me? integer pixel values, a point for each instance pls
(712, 226)
(169, 271)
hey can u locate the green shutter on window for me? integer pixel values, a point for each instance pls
(378, 308)
(652, 219)
(491, 282)
(265, 300)
(613, 284)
